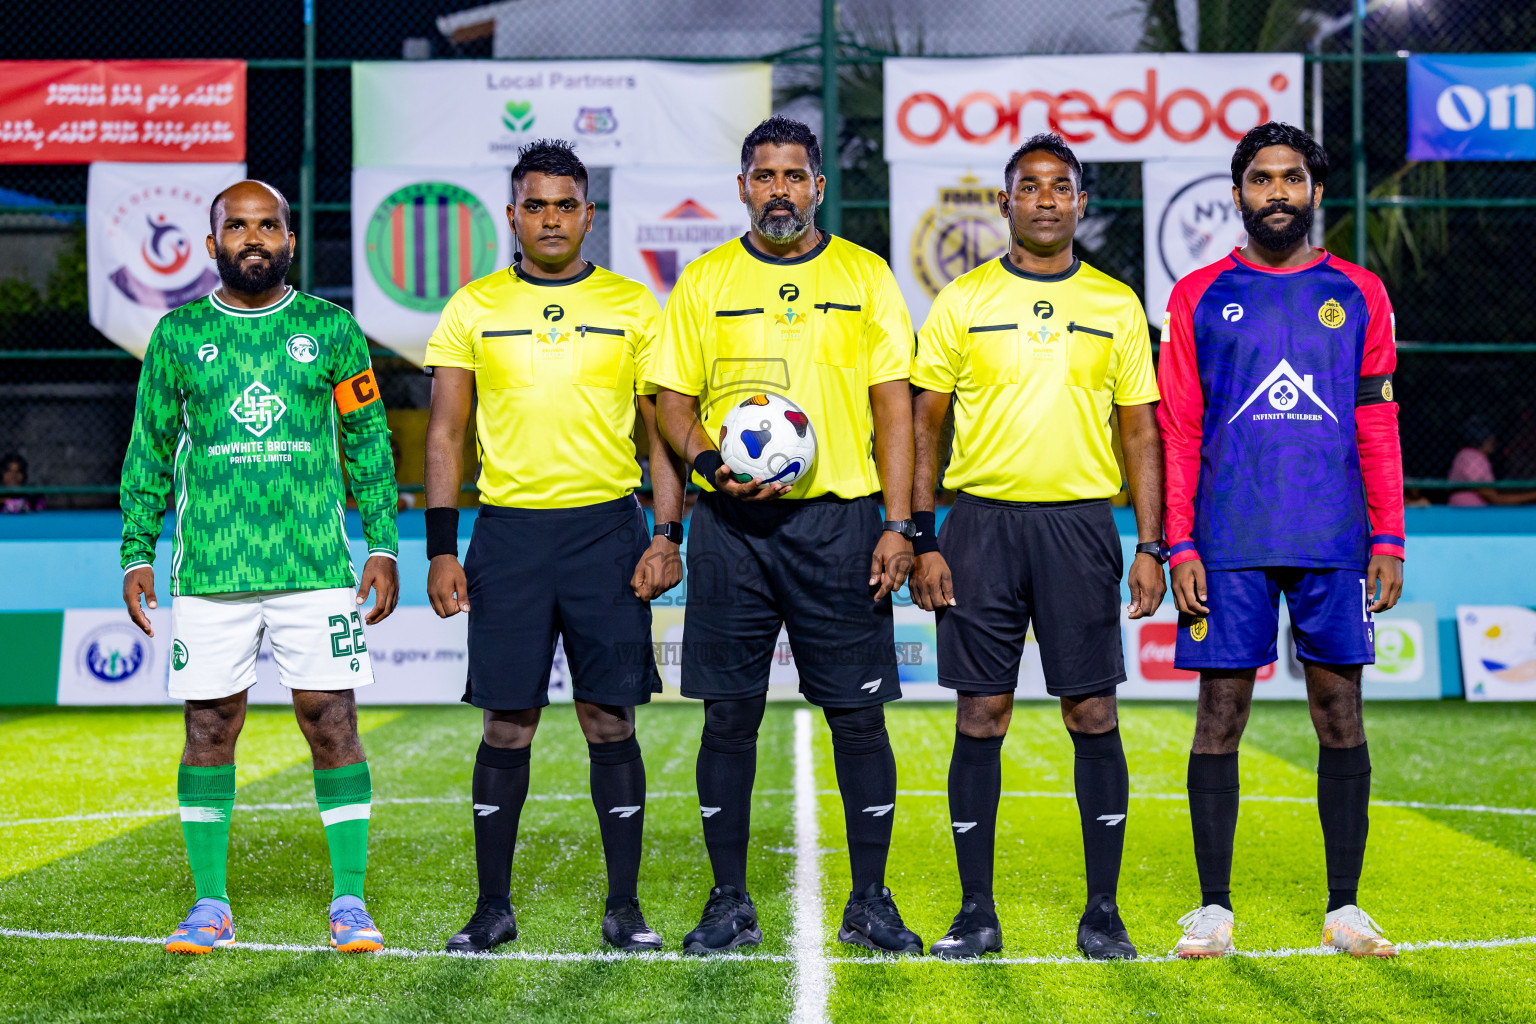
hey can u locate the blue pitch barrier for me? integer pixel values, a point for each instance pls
(1487, 556)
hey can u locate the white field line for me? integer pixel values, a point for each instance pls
(797, 960)
(811, 976)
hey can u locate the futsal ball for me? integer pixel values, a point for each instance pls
(768, 438)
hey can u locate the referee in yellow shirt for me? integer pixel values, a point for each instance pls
(791, 309)
(1035, 349)
(555, 349)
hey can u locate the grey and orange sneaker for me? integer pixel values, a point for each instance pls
(352, 930)
(1207, 933)
(1351, 929)
(208, 927)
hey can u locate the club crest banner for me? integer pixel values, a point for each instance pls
(418, 235)
(476, 113)
(1189, 221)
(145, 252)
(944, 222)
(662, 218)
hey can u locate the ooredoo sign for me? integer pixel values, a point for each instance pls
(1107, 107)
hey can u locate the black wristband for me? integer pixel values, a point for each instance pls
(442, 532)
(927, 539)
(707, 463)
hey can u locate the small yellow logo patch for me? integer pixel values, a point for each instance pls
(1331, 314)
(1197, 630)
(1386, 391)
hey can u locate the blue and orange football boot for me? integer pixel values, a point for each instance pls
(352, 930)
(208, 927)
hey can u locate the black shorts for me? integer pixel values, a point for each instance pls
(538, 573)
(804, 564)
(1058, 562)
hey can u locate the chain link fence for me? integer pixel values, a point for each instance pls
(1449, 239)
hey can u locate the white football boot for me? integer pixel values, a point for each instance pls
(1351, 929)
(1207, 933)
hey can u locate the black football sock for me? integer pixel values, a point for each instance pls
(618, 793)
(1213, 793)
(866, 777)
(975, 785)
(726, 769)
(498, 790)
(1343, 804)
(1103, 786)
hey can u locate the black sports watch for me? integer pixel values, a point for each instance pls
(673, 531)
(906, 527)
(1156, 548)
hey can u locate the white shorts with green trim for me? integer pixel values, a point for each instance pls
(317, 641)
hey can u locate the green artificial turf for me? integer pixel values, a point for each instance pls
(1431, 875)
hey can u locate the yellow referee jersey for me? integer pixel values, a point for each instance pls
(557, 367)
(819, 329)
(1035, 363)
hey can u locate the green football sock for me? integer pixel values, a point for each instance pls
(206, 796)
(344, 796)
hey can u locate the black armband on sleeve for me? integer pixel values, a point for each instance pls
(442, 532)
(927, 539)
(707, 463)
(1375, 390)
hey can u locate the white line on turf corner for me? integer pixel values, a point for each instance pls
(811, 976)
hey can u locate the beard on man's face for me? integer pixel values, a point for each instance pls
(1277, 239)
(254, 278)
(782, 229)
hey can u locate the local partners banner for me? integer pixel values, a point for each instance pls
(1122, 106)
(663, 218)
(1189, 221)
(418, 235)
(1498, 651)
(944, 222)
(145, 252)
(477, 113)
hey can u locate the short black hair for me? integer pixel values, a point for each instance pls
(1045, 142)
(781, 131)
(282, 205)
(1278, 133)
(554, 157)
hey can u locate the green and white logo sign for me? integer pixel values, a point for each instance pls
(1399, 650)
(428, 239)
(517, 115)
(179, 655)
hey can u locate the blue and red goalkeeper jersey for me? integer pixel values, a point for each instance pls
(1279, 426)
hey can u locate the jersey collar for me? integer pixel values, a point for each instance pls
(758, 254)
(1039, 278)
(544, 282)
(224, 307)
(1322, 257)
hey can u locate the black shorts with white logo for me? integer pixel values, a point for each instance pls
(800, 564)
(1056, 562)
(538, 573)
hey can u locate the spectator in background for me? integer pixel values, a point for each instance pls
(1472, 465)
(13, 473)
(1520, 451)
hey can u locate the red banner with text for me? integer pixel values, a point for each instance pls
(157, 111)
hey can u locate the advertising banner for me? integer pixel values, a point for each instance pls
(476, 113)
(944, 222)
(1122, 106)
(1472, 107)
(1498, 651)
(1189, 221)
(145, 251)
(418, 235)
(160, 111)
(660, 219)
(105, 659)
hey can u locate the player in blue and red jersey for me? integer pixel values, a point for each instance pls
(1284, 475)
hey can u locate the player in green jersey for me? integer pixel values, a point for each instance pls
(243, 400)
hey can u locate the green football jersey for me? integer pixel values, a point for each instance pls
(241, 412)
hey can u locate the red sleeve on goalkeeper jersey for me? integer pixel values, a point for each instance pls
(1376, 433)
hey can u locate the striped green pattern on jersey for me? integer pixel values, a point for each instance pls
(237, 415)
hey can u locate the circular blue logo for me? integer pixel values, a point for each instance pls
(114, 653)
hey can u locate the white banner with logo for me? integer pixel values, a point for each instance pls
(476, 113)
(144, 249)
(660, 219)
(418, 235)
(944, 222)
(104, 659)
(1498, 651)
(1189, 221)
(1122, 106)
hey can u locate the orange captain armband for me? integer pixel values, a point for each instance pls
(357, 391)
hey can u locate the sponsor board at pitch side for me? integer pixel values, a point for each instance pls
(1498, 651)
(1472, 106)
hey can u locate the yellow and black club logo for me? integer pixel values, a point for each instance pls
(959, 232)
(1197, 630)
(1331, 314)
(1386, 390)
